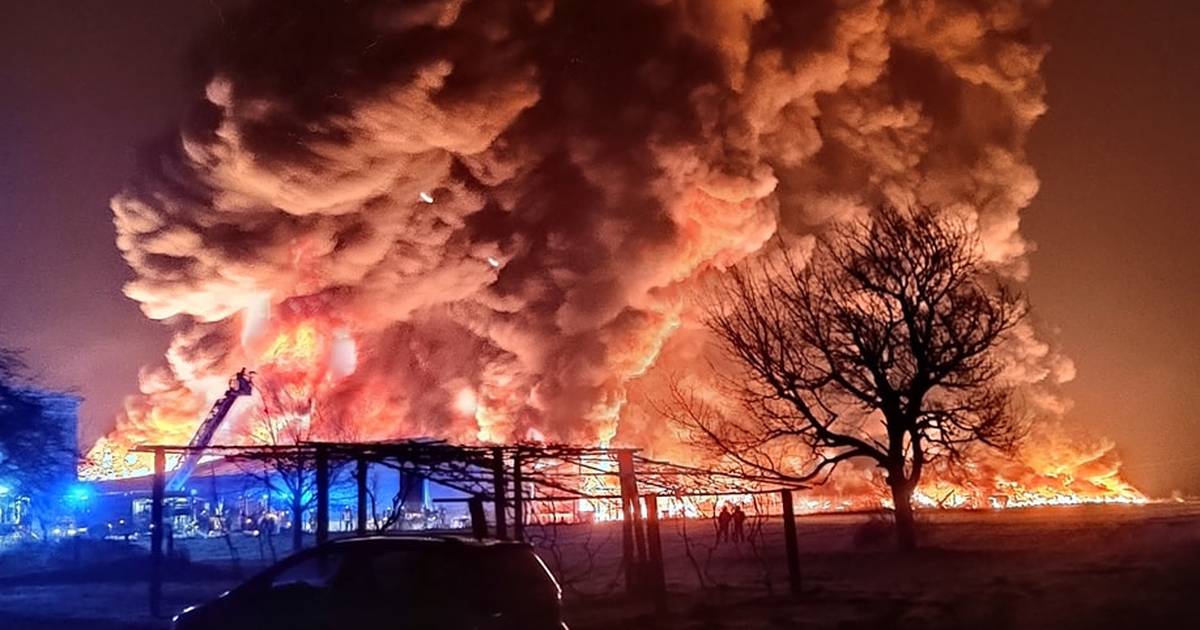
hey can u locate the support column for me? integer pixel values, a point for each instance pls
(793, 549)
(157, 492)
(360, 478)
(499, 491)
(518, 499)
(322, 495)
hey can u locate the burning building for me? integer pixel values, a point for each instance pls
(488, 221)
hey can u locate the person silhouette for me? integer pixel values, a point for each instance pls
(723, 524)
(739, 521)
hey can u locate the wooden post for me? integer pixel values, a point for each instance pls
(793, 550)
(360, 477)
(633, 538)
(499, 492)
(478, 520)
(627, 558)
(629, 491)
(656, 577)
(156, 531)
(322, 495)
(518, 499)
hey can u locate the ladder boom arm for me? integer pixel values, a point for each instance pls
(239, 386)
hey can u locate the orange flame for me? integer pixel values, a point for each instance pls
(302, 363)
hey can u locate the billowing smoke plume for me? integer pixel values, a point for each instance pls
(499, 208)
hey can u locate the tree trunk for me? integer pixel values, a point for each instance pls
(906, 533)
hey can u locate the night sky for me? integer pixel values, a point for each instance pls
(1116, 274)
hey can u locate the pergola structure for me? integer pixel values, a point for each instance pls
(499, 474)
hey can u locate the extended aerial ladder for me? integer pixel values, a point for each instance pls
(240, 385)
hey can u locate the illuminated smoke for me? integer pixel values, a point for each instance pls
(499, 209)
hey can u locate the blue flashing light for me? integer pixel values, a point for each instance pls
(79, 493)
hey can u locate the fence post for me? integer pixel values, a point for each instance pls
(156, 531)
(322, 495)
(360, 478)
(657, 577)
(518, 499)
(793, 550)
(499, 493)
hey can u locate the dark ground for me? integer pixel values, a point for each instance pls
(1087, 567)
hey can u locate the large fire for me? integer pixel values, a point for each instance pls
(495, 235)
(300, 365)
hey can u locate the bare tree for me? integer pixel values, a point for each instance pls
(286, 473)
(880, 347)
(282, 421)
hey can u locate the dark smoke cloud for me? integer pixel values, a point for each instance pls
(515, 196)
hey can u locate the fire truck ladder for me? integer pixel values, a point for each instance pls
(239, 386)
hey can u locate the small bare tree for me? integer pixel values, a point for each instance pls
(880, 347)
(286, 473)
(284, 421)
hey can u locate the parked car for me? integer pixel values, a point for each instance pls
(394, 583)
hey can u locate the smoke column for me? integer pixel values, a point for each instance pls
(482, 219)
